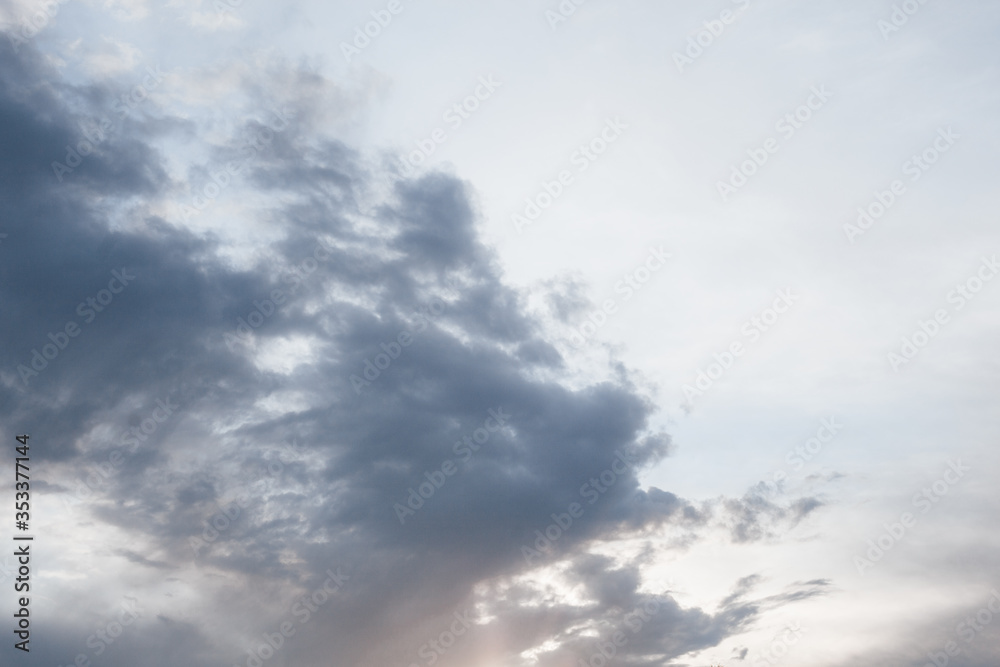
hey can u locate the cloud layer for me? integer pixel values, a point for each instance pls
(238, 420)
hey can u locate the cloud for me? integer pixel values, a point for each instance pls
(754, 517)
(127, 10)
(109, 58)
(213, 487)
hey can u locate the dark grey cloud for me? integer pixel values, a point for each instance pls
(164, 384)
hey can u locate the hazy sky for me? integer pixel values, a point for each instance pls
(423, 332)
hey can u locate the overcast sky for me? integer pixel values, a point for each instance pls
(426, 332)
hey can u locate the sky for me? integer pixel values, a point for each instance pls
(504, 334)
